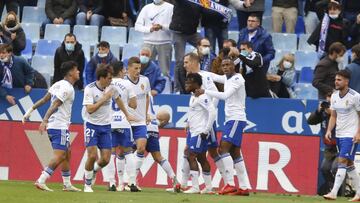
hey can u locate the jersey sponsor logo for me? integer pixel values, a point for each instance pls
(142, 86)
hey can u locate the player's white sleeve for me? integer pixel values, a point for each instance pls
(88, 97)
(222, 95)
(217, 78)
(148, 87)
(209, 107)
(357, 102)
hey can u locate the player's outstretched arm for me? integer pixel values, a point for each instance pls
(217, 78)
(39, 103)
(211, 117)
(221, 95)
(54, 106)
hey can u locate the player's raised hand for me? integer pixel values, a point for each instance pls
(42, 127)
(199, 92)
(328, 136)
(27, 115)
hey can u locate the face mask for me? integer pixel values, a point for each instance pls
(334, 16)
(339, 59)
(69, 46)
(244, 53)
(11, 23)
(4, 60)
(144, 59)
(157, 1)
(287, 64)
(205, 51)
(102, 55)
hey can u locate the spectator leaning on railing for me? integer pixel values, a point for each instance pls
(15, 72)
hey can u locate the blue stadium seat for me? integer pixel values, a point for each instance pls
(47, 47)
(305, 59)
(135, 37)
(306, 75)
(41, 3)
(87, 50)
(267, 23)
(284, 41)
(114, 35)
(32, 31)
(189, 48)
(234, 35)
(87, 34)
(57, 32)
(33, 15)
(115, 50)
(47, 77)
(305, 91)
(130, 50)
(300, 25)
(43, 64)
(303, 45)
(172, 69)
(27, 52)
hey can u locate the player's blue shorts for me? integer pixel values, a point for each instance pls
(196, 144)
(60, 139)
(212, 142)
(233, 131)
(153, 144)
(139, 132)
(97, 135)
(346, 148)
(122, 137)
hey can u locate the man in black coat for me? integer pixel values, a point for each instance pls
(70, 50)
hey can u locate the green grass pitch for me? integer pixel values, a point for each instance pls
(21, 192)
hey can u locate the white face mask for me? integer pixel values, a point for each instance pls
(287, 64)
(205, 50)
(4, 60)
(103, 55)
(158, 1)
(333, 16)
(340, 59)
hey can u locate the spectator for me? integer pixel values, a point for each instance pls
(351, 8)
(60, 12)
(328, 165)
(325, 70)
(117, 13)
(257, 8)
(15, 71)
(70, 50)
(13, 33)
(205, 54)
(256, 84)
(184, 23)
(281, 77)
(104, 56)
(312, 16)
(228, 46)
(354, 68)
(39, 81)
(11, 5)
(333, 28)
(154, 20)
(90, 13)
(355, 31)
(284, 10)
(260, 39)
(152, 71)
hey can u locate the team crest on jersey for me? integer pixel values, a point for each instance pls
(347, 103)
(142, 86)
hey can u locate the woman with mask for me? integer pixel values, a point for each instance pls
(281, 77)
(12, 33)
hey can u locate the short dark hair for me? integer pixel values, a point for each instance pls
(117, 66)
(193, 57)
(104, 44)
(133, 60)
(337, 47)
(70, 35)
(247, 44)
(254, 15)
(233, 42)
(103, 70)
(6, 47)
(67, 66)
(198, 43)
(344, 73)
(356, 49)
(194, 77)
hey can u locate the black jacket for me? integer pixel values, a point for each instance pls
(96, 6)
(19, 42)
(61, 55)
(355, 33)
(324, 76)
(338, 31)
(60, 8)
(210, 18)
(322, 117)
(285, 3)
(185, 17)
(256, 84)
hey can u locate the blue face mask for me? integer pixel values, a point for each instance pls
(144, 59)
(69, 47)
(244, 53)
